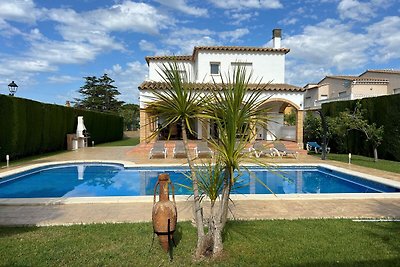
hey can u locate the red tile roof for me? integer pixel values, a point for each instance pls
(169, 58)
(211, 86)
(217, 48)
(391, 71)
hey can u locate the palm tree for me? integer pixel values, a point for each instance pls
(178, 102)
(236, 110)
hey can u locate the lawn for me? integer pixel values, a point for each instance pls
(247, 243)
(129, 141)
(385, 165)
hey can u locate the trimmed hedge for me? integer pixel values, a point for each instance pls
(383, 110)
(29, 127)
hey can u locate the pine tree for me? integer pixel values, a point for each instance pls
(99, 94)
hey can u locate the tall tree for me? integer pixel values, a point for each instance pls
(348, 121)
(131, 115)
(99, 94)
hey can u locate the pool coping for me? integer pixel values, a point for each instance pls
(146, 199)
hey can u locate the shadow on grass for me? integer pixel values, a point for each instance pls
(7, 231)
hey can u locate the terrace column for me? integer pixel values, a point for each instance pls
(299, 128)
(205, 132)
(146, 127)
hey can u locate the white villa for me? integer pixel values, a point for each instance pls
(370, 83)
(208, 62)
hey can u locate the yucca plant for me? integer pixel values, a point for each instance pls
(236, 111)
(178, 102)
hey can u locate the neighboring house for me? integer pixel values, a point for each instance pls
(205, 66)
(371, 83)
(392, 76)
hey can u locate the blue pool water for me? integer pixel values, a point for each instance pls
(85, 180)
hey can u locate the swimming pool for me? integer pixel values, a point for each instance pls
(99, 180)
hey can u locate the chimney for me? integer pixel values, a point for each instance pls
(276, 38)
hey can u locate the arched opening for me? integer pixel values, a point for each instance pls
(285, 121)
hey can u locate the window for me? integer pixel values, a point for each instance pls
(342, 93)
(214, 68)
(323, 97)
(396, 91)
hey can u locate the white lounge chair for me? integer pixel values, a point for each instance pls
(260, 150)
(281, 150)
(158, 150)
(203, 151)
(179, 150)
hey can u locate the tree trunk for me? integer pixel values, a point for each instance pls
(324, 132)
(375, 154)
(226, 190)
(216, 227)
(197, 208)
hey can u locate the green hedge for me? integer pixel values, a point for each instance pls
(28, 127)
(383, 110)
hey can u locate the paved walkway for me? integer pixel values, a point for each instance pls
(272, 208)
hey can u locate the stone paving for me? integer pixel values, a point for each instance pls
(271, 208)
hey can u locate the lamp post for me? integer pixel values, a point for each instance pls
(12, 87)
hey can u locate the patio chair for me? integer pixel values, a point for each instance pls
(203, 151)
(158, 150)
(179, 150)
(314, 146)
(281, 150)
(260, 150)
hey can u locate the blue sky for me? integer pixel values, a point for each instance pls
(47, 47)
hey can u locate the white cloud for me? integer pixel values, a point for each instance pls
(63, 79)
(248, 4)
(234, 35)
(355, 10)
(130, 16)
(181, 5)
(127, 79)
(183, 40)
(329, 44)
(289, 21)
(361, 11)
(18, 10)
(385, 35)
(239, 17)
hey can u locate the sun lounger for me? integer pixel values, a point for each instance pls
(281, 150)
(314, 146)
(260, 150)
(179, 150)
(203, 151)
(158, 150)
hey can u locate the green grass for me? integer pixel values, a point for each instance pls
(124, 142)
(247, 243)
(385, 165)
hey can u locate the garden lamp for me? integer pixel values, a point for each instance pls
(12, 87)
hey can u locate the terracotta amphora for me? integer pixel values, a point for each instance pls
(164, 212)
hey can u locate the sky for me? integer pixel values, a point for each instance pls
(48, 46)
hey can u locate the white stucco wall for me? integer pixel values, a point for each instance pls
(270, 66)
(155, 66)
